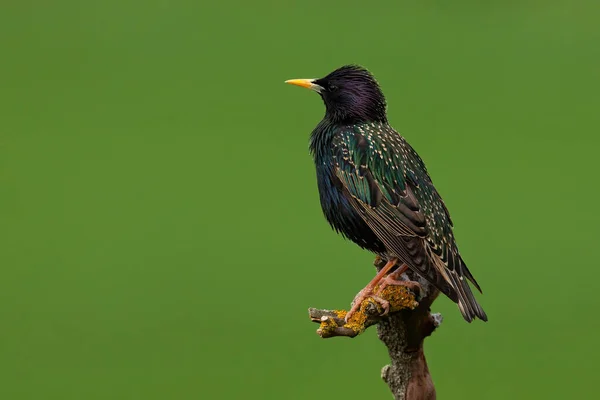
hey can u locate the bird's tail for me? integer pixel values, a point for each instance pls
(468, 305)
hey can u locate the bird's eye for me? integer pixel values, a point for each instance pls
(332, 87)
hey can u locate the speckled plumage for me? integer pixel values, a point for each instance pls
(375, 189)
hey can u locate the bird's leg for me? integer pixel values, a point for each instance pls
(368, 290)
(393, 279)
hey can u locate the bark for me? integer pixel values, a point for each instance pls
(402, 330)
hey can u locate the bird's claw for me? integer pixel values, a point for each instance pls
(383, 303)
(362, 296)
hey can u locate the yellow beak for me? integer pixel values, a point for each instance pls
(305, 83)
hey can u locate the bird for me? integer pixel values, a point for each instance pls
(375, 190)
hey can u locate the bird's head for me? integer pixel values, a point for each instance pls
(350, 93)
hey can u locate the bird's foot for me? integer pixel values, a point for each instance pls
(394, 279)
(376, 287)
(377, 296)
(358, 299)
(383, 303)
(368, 291)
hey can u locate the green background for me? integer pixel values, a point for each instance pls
(161, 235)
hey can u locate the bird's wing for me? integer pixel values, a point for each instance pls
(387, 183)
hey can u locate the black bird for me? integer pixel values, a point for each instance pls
(375, 190)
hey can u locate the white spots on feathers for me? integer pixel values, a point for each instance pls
(394, 163)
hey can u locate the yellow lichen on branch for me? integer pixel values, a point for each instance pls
(332, 322)
(400, 298)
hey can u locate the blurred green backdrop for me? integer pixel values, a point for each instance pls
(161, 231)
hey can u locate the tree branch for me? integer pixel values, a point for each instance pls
(403, 331)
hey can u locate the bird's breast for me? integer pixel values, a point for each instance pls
(338, 211)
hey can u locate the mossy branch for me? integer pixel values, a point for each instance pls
(402, 330)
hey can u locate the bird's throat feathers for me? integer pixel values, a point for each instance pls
(360, 108)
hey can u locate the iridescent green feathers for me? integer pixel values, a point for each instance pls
(391, 189)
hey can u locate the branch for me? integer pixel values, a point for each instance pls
(403, 330)
(370, 313)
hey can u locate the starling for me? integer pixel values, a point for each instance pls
(375, 190)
